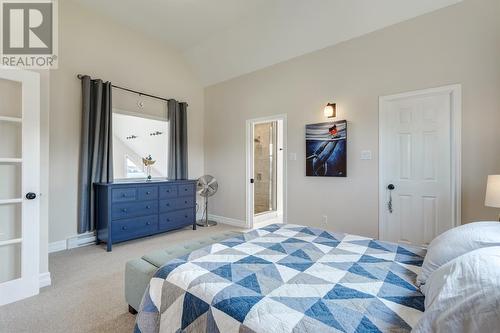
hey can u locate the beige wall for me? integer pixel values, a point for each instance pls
(459, 44)
(90, 44)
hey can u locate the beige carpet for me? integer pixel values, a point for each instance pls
(86, 294)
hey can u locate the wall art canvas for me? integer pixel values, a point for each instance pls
(326, 149)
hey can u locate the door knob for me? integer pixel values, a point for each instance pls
(390, 187)
(30, 195)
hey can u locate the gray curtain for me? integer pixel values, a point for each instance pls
(96, 150)
(177, 149)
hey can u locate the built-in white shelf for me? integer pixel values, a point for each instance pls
(11, 241)
(10, 201)
(11, 119)
(10, 160)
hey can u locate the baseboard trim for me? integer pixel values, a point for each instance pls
(228, 220)
(57, 246)
(44, 280)
(73, 242)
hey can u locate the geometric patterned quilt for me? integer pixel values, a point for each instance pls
(287, 278)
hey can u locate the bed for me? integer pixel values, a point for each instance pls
(287, 278)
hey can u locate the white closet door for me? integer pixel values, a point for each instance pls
(19, 184)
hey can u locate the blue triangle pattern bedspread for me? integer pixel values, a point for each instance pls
(287, 278)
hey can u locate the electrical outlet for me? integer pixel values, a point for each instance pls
(325, 219)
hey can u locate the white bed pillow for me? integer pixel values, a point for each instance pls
(455, 242)
(464, 294)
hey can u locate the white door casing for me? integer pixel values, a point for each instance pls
(419, 155)
(251, 219)
(27, 283)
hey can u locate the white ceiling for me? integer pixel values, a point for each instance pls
(223, 39)
(180, 23)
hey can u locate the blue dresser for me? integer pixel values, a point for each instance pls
(128, 210)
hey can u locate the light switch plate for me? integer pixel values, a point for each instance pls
(366, 154)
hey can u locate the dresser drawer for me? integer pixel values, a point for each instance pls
(186, 202)
(123, 194)
(147, 192)
(134, 227)
(167, 205)
(176, 219)
(126, 210)
(186, 189)
(168, 191)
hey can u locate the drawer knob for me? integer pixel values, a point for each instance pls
(124, 210)
(168, 205)
(168, 220)
(148, 223)
(124, 228)
(185, 202)
(185, 189)
(185, 216)
(148, 193)
(148, 207)
(168, 191)
(124, 195)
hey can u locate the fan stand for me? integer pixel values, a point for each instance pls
(206, 222)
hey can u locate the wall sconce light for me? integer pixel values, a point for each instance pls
(330, 110)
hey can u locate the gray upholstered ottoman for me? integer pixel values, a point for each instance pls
(138, 272)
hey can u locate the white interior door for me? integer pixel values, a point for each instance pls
(19, 175)
(416, 160)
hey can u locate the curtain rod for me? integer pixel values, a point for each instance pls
(80, 76)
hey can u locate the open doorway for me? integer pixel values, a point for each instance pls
(266, 165)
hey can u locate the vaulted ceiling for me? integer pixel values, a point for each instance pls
(223, 39)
